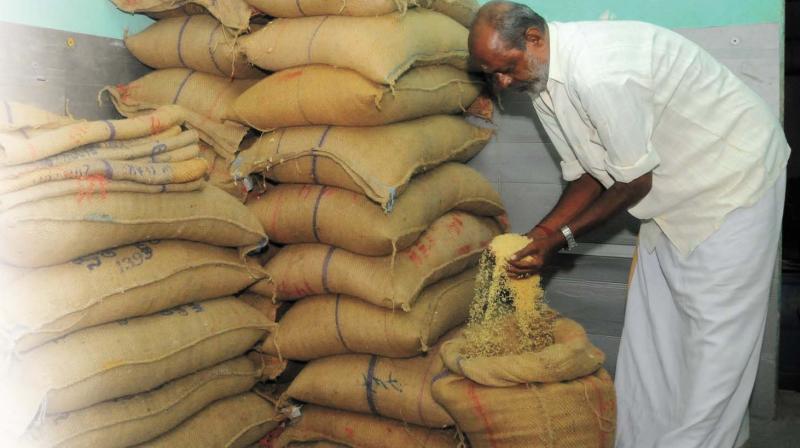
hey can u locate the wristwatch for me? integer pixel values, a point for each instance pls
(567, 232)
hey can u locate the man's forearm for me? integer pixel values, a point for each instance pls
(619, 197)
(576, 198)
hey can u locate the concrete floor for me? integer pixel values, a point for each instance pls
(784, 431)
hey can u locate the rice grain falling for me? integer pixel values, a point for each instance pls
(507, 316)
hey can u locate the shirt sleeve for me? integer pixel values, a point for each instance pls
(571, 169)
(621, 110)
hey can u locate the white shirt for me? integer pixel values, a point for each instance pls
(627, 98)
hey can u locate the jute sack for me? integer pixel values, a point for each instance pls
(352, 429)
(15, 150)
(56, 230)
(572, 414)
(114, 284)
(571, 356)
(16, 116)
(233, 14)
(234, 422)
(147, 173)
(219, 173)
(198, 42)
(386, 387)
(125, 357)
(273, 311)
(204, 102)
(89, 188)
(125, 151)
(354, 158)
(327, 325)
(320, 94)
(452, 243)
(188, 9)
(462, 11)
(293, 213)
(139, 418)
(301, 8)
(209, 95)
(380, 48)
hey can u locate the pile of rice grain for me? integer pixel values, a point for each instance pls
(507, 315)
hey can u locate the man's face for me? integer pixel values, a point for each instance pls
(524, 70)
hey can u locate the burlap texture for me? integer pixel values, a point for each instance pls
(125, 151)
(147, 173)
(15, 150)
(574, 414)
(462, 11)
(56, 230)
(234, 422)
(204, 101)
(301, 8)
(139, 418)
(449, 246)
(19, 116)
(188, 9)
(304, 96)
(233, 14)
(361, 430)
(380, 48)
(327, 325)
(89, 188)
(293, 213)
(571, 356)
(354, 158)
(114, 284)
(219, 173)
(209, 95)
(394, 388)
(197, 42)
(125, 357)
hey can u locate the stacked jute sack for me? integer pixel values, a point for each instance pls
(117, 322)
(381, 225)
(199, 66)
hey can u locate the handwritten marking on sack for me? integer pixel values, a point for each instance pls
(388, 383)
(144, 252)
(183, 310)
(421, 250)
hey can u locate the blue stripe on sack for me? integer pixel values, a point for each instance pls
(299, 8)
(180, 87)
(109, 170)
(8, 112)
(314, 154)
(373, 360)
(180, 39)
(112, 131)
(440, 375)
(325, 264)
(313, 36)
(211, 50)
(338, 328)
(314, 214)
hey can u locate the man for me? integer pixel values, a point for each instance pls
(645, 120)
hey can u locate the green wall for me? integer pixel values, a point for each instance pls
(101, 18)
(671, 14)
(98, 17)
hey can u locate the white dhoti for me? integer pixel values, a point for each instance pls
(693, 332)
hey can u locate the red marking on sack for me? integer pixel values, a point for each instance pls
(77, 133)
(290, 75)
(155, 125)
(477, 406)
(456, 225)
(414, 257)
(89, 185)
(124, 91)
(305, 191)
(464, 250)
(349, 431)
(503, 220)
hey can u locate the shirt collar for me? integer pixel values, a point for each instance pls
(556, 72)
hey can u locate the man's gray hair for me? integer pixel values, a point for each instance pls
(511, 20)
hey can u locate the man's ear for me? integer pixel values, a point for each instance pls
(534, 36)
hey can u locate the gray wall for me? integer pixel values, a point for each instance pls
(591, 288)
(40, 67)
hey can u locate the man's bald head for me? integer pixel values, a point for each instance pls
(509, 20)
